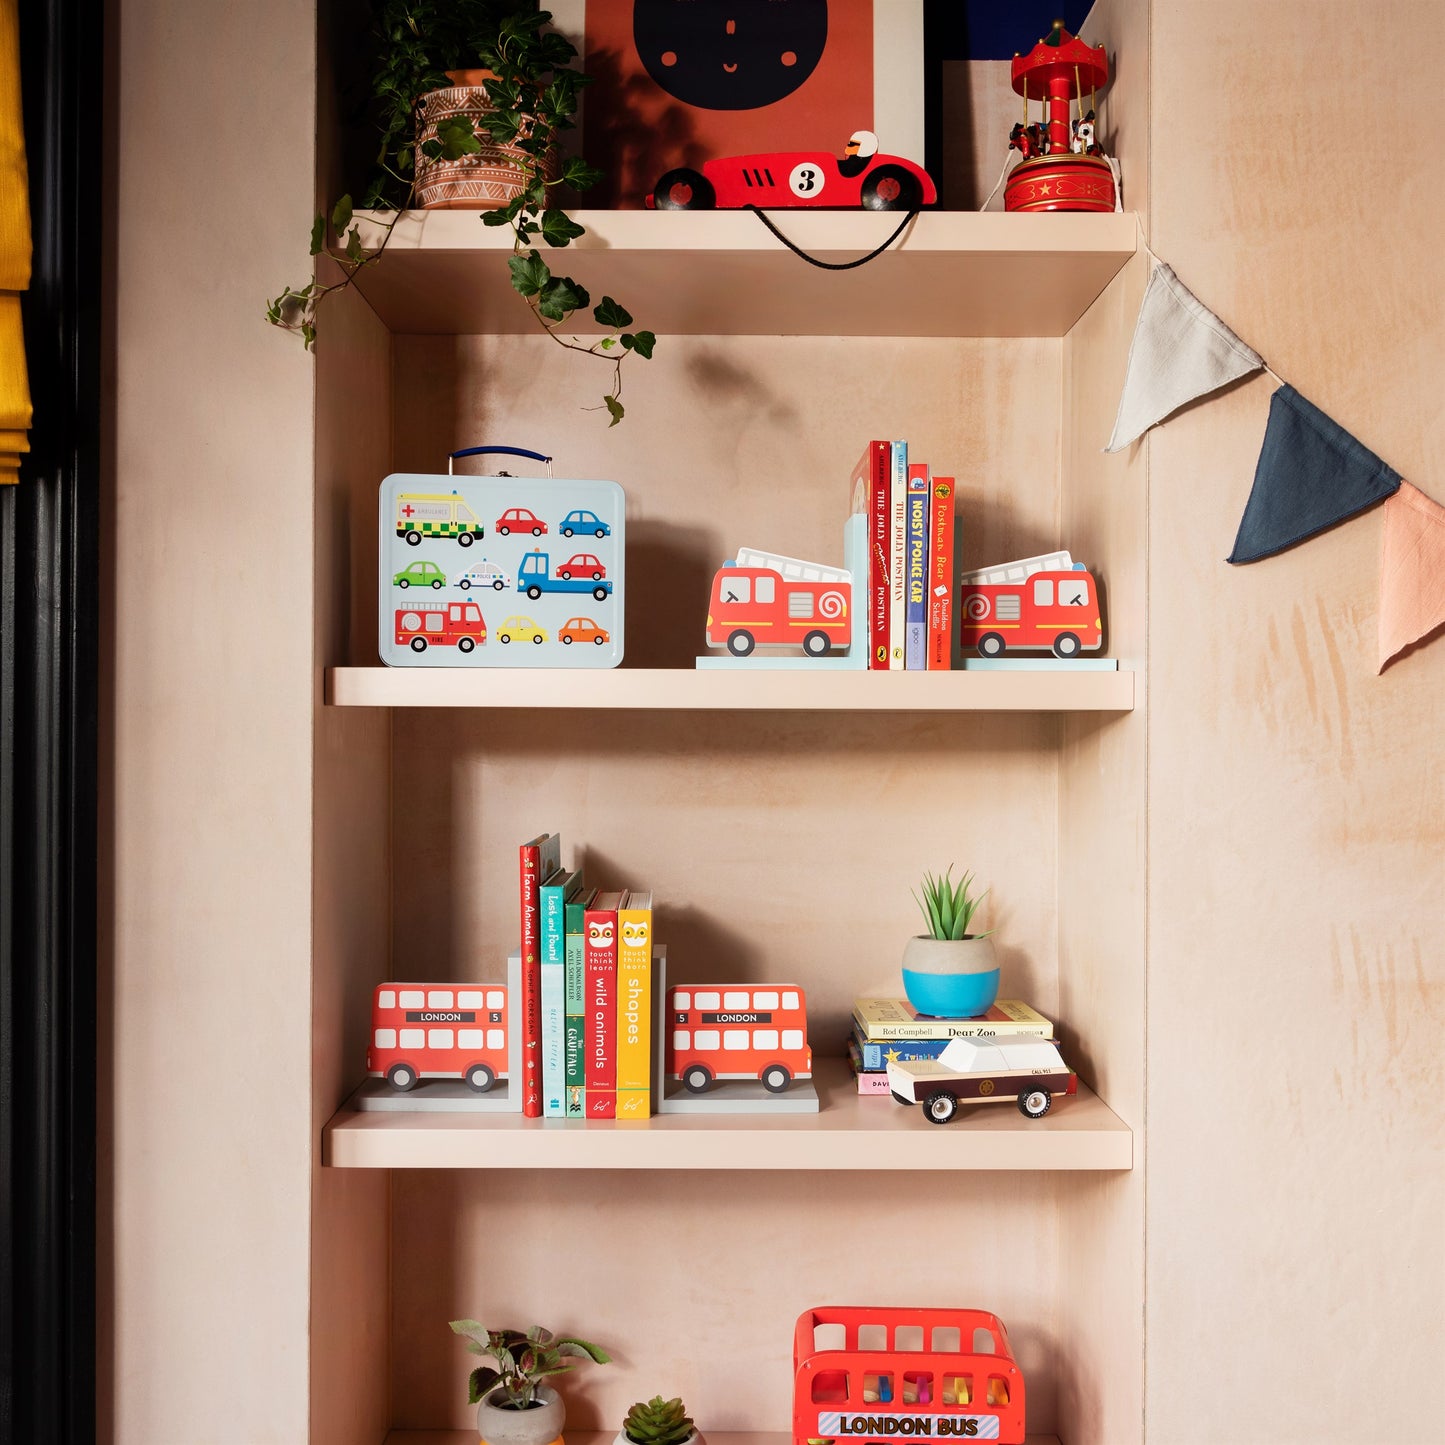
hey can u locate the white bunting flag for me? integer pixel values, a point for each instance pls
(1181, 350)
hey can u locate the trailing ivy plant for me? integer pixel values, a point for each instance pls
(535, 93)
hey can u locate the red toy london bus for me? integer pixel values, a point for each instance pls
(438, 1031)
(735, 1031)
(882, 1374)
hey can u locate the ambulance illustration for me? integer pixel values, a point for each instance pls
(435, 514)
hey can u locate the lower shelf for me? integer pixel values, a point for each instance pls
(847, 1132)
(598, 1437)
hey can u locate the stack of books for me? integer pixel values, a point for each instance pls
(587, 992)
(891, 1029)
(912, 559)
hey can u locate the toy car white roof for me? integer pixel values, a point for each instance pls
(987, 1057)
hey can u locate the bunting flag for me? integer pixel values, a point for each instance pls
(1181, 351)
(1311, 474)
(1412, 570)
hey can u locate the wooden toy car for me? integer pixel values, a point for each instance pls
(798, 178)
(982, 1071)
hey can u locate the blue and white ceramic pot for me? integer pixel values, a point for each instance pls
(950, 977)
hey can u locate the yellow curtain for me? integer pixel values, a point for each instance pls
(14, 251)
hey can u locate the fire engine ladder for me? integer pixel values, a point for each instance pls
(790, 568)
(1017, 571)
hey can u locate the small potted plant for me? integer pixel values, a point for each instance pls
(948, 971)
(659, 1422)
(514, 1407)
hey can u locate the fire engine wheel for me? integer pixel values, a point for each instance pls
(776, 1078)
(990, 645)
(697, 1078)
(890, 188)
(465, 644)
(418, 644)
(413, 539)
(600, 593)
(1066, 645)
(684, 190)
(940, 1108)
(401, 1077)
(465, 538)
(816, 644)
(1035, 1103)
(480, 1078)
(741, 643)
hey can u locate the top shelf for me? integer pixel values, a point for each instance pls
(721, 273)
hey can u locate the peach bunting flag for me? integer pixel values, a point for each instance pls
(1412, 570)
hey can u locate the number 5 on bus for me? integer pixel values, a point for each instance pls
(732, 1032)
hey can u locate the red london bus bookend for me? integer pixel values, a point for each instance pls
(880, 1374)
(1062, 166)
(736, 1048)
(1048, 603)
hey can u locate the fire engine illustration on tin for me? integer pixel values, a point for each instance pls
(1048, 603)
(880, 1374)
(983, 1071)
(737, 1031)
(764, 599)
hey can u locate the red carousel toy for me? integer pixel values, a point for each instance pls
(1063, 167)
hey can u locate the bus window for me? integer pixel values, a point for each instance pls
(708, 1000)
(908, 1337)
(984, 1342)
(917, 1388)
(957, 1390)
(440, 998)
(768, 1039)
(830, 1387)
(947, 1340)
(411, 998)
(873, 1337)
(878, 1389)
(735, 999)
(706, 1039)
(682, 1038)
(386, 998)
(997, 1390)
(386, 1038)
(413, 1038)
(439, 1038)
(736, 1039)
(791, 1000)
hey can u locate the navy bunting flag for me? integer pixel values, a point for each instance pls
(1311, 474)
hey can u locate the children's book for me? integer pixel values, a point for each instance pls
(601, 1004)
(915, 622)
(872, 481)
(555, 892)
(941, 578)
(897, 554)
(574, 995)
(539, 859)
(869, 1081)
(634, 1005)
(881, 1019)
(878, 1054)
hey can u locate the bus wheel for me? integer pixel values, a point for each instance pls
(740, 643)
(697, 1078)
(465, 644)
(1035, 1103)
(401, 1077)
(776, 1078)
(418, 644)
(1066, 645)
(465, 538)
(816, 644)
(940, 1108)
(990, 645)
(480, 1078)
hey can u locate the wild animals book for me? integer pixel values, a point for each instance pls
(601, 1030)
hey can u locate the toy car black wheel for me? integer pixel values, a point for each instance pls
(890, 188)
(776, 1078)
(1035, 1103)
(566, 531)
(534, 593)
(465, 538)
(497, 585)
(418, 644)
(437, 585)
(600, 593)
(504, 531)
(940, 1108)
(465, 644)
(401, 1077)
(1066, 645)
(403, 584)
(697, 1079)
(567, 640)
(816, 644)
(480, 1078)
(537, 639)
(413, 539)
(536, 531)
(990, 645)
(599, 639)
(464, 584)
(684, 190)
(741, 643)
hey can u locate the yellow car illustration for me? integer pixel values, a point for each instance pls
(520, 629)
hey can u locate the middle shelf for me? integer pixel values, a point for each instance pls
(848, 1132)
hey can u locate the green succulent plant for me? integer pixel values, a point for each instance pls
(658, 1422)
(948, 907)
(523, 1359)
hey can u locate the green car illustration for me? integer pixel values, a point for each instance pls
(420, 574)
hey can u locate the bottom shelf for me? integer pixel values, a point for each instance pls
(598, 1437)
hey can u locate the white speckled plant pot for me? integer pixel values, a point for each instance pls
(538, 1426)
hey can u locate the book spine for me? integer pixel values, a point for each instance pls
(941, 575)
(634, 1006)
(897, 555)
(601, 1034)
(945, 1030)
(553, 907)
(574, 992)
(537, 859)
(871, 487)
(915, 640)
(871, 1083)
(875, 1055)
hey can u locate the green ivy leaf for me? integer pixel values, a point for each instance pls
(341, 215)
(607, 343)
(457, 138)
(308, 335)
(496, 218)
(318, 235)
(615, 407)
(641, 342)
(609, 314)
(579, 175)
(560, 297)
(354, 253)
(558, 228)
(529, 273)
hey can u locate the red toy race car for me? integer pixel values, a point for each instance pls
(861, 177)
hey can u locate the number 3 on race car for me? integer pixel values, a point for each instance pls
(806, 180)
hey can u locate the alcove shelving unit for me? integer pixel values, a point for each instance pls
(426, 778)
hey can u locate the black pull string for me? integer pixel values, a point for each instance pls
(833, 265)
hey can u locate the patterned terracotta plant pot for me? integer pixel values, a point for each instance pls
(540, 1425)
(481, 181)
(950, 978)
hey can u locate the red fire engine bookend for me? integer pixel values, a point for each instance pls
(882, 1374)
(1063, 166)
(500, 571)
(1048, 603)
(802, 613)
(736, 1048)
(444, 1048)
